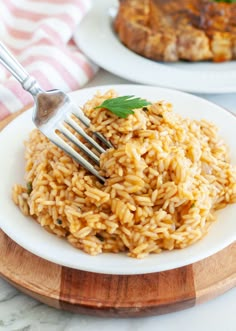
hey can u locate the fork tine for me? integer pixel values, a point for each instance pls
(76, 156)
(79, 130)
(78, 143)
(78, 112)
(103, 139)
(86, 121)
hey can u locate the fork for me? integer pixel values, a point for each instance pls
(52, 110)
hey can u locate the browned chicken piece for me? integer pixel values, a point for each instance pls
(172, 30)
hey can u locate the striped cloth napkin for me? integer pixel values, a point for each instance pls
(39, 33)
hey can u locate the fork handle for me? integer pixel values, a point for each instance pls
(28, 82)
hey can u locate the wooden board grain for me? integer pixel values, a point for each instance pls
(128, 295)
(112, 295)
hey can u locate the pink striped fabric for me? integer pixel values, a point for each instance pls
(39, 33)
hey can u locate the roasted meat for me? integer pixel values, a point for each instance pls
(172, 30)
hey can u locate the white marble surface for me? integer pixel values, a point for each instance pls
(21, 313)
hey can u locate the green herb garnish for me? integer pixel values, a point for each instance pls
(227, 1)
(29, 187)
(124, 106)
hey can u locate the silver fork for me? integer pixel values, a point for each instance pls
(52, 110)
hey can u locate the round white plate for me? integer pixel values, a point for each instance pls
(96, 38)
(35, 239)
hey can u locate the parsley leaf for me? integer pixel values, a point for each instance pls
(124, 106)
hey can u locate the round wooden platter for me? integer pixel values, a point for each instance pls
(115, 295)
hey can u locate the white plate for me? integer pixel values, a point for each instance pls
(96, 38)
(35, 239)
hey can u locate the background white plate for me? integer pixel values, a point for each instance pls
(96, 38)
(32, 237)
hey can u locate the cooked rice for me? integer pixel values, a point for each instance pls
(166, 178)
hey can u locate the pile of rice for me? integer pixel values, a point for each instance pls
(166, 177)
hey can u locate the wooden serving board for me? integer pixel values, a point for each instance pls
(114, 295)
